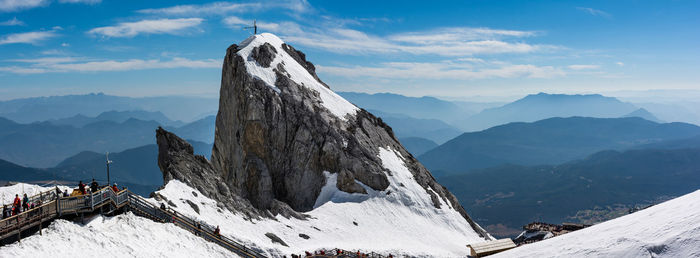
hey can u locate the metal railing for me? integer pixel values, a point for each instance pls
(204, 230)
(55, 206)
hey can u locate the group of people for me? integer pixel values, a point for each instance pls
(339, 253)
(23, 204)
(217, 230)
(19, 205)
(94, 187)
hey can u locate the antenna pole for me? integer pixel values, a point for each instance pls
(254, 27)
(108, 162)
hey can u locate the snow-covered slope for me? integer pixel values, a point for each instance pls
(7, 193)
(121, 236)
(336, 104)
(669, 229)
(398, 220)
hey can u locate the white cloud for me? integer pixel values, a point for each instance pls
(22, 70)
(12, 22)
(33, 37)
(620, 64)
(350, 41)
(443, 70)
(583, 67)
(594, 12)
(233, 20)
(80, 1)
(16, 5)
(221, 8)
(452, 42)
(70, 64)
(457, 34)
(135, 64)
(44, 60)
(160, 26)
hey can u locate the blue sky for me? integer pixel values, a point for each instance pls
(459, 49)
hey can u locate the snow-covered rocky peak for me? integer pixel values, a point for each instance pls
(287, 148)
(266, 56)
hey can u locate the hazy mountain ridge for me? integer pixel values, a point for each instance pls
(417, 145)
(643, 113)
(417, 107)
(80, 120)
(550, 141)
(28, 110)
(405, 126)
(542, 106)
(44, 144)
(134, 167)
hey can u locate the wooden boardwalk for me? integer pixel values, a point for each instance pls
(106, 201)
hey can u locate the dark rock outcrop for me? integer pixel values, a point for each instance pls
(177, 160)
(275, 239)
(264, 54)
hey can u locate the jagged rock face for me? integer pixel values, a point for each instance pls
(273, 142)
(279, 128)
(275, 146)
(177, 160)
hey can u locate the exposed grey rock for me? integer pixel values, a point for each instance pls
(176, 160)
(271, 148)
(304, 236)
(193, 205)
(264, 54)
(275, 239)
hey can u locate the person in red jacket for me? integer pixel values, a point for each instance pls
(114, 188)
(17, 205)
(81, 187)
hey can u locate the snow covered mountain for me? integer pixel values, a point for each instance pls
(294, 168)
(295, 160)
(669, 229)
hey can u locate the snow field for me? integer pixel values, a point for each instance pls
(125, 235)
(669, 229)
(399, 220)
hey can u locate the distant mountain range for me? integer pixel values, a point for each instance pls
(45, 144)
(117, 116)
(643, 113)
(30, 110)
(201, 130)
(542, 106)
(550, 141)
(422, 107)
(600, 187)
(135, 167)
(417, 145)
(405, 126)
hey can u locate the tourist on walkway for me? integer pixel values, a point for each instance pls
(25, 203)
(16, 205)
(81, 187)
(94, 186)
